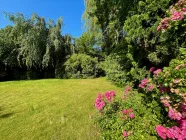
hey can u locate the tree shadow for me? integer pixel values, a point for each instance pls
(5, 115)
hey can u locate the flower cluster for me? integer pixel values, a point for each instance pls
(171, 133)
(145, 84)
(168, 85)
(109, 95)
(156, 72)
(100, 100)
(165, 101)
(126, 92)
(174, 115)
(99, 103)
(176, 16)
(128, 113)
(164, 89)
(126, 134)
(164, 24)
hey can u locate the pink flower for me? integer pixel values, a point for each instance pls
(128, 88)
(161, 131)
(150, 87)
(177, 16)
(174, 115)
(141, 86)
(170, 133)
(157, 71)
(184, 9)
(182, 123)
(124, 111)
(99, 103)
(176, 81)
(164, 24)
(183, 107)
(125, 134)
(166, 104)
(131, 116)
(152, 69)
(143, 83)
(164, 89)
(109, 95)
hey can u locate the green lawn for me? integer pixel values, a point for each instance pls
(50, 109)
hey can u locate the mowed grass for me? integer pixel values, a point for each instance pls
(50, 109)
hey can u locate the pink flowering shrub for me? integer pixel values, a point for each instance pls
(124, 118)
(102, 99)
(178, 12)
(147, 85)
(172, 94)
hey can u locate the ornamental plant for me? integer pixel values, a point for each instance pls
(81, 66)
(174, 100)
(126, 117)
(170, 91)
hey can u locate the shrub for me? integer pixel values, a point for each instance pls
(121, 70)
(126, 118)
(81, 66)
(169, 90)
(113, 69)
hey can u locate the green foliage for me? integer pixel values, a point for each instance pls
(85, 44)
(119, 70)
(113, 122)
(142, 33)
(81, 66)
(174, 78)
(114, 71)
(34, 46)
(106, 17)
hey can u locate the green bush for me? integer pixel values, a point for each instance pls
(121, 70)
(81, 66)
(113, 121)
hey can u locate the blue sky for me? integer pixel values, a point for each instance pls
(70, 10)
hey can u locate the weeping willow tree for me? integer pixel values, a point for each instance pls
(34, 44)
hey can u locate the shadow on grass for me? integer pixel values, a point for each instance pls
(6, 115)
